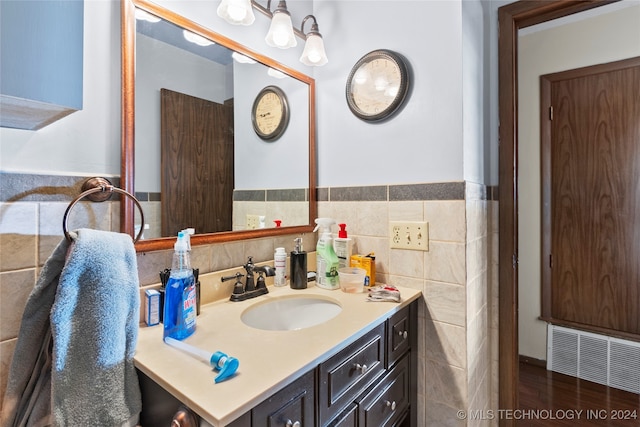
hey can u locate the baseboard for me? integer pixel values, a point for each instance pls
(532, 361)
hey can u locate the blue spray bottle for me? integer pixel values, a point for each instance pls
(180, 294)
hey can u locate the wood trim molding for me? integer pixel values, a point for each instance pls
(511, 18)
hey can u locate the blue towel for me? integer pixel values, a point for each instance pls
(93, 323)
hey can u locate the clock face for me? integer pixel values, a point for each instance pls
(270, 113)
(377, 85)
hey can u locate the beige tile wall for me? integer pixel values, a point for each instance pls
(458, 277)
(457, 369)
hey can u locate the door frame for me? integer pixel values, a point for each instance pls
(511, 18)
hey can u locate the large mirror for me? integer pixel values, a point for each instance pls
(190, 151)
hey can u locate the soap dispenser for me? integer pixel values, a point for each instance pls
(342, 246)
(298, 266)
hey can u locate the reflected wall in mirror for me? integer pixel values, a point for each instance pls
(187, 99)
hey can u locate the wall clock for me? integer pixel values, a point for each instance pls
(377, 85)
(270, 113)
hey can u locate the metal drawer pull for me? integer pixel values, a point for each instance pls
(292, 424)
(361, 368)
(392, 404)
(403, 334)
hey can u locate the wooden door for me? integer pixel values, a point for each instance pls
(591, 197)
(197, 164)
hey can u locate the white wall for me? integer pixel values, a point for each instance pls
(277, 164)
(87, 141)
(421, 143)
(476, 48)
(601, 39)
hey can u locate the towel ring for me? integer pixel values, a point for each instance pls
(98, 189)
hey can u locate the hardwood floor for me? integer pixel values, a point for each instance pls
(549, 399)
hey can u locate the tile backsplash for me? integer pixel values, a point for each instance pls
(458, 339)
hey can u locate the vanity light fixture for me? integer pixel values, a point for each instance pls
(242, 58)
(275, 73)
(196, 38)
(236, 12)
(281, 31)
(313, 53)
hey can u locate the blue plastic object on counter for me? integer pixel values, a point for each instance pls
(221, 362)
(180, 304)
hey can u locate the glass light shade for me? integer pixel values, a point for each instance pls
(143, 15)
(276, 73)
(242, 58)
(281, 31)
(196, 38)
(313, 53)
(236, 12)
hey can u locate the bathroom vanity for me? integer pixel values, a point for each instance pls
(355, 369)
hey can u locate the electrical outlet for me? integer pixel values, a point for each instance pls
(412, 235)
(252, 221)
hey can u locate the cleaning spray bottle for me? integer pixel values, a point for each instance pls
(326, 258)
(180, 294)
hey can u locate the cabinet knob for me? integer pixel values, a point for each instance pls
(293, 424)
(391, 404)
(361, 368)
(403, 334)
(184, 418)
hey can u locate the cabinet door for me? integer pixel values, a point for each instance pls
(399, 335)
(387, 402)
(292, 406)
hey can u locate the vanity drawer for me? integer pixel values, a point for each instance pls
(387, 402)
(399, 335)
(293, 404)
(345, 375)
(349, 418)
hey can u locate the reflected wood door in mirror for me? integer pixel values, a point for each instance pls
(197, 153)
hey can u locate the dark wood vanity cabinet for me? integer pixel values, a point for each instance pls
(293, 406)
(369, 383)
(398, 335)
(346, 374)
(382, 395)
(388, 401)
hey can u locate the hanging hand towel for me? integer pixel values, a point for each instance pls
(94, 325)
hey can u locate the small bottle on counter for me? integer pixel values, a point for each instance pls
(298, 266)
(280, 261)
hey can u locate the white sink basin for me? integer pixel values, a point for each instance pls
(290, 313)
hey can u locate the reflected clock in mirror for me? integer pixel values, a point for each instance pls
(270, 113)
(198, 162)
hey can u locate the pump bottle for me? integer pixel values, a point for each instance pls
(180, 294)
(342, 246)
(298, 266)
(327, 262)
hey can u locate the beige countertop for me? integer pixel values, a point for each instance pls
(269, 360)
